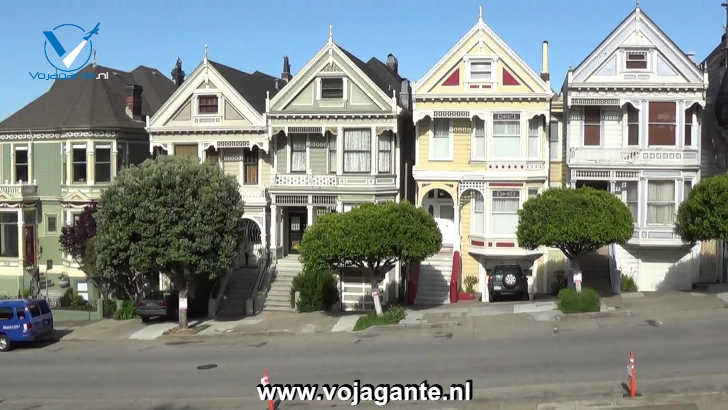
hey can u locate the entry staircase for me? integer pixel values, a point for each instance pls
(279, 295)
(433, 286)
(239, 289)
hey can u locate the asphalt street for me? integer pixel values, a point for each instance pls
(542, 367)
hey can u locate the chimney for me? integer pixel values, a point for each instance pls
(134, 101)
(545, 61)
(392, 63)
(178, 75)
(286, 74)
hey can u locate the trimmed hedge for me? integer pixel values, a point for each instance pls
(317, 289)
(390, 317)
(572, 302)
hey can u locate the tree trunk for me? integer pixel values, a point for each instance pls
(375, 296)
(183, 305)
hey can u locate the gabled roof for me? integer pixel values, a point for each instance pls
(83, 103)
(635, 14)
(386, 79)
(252, 87)
(480, 25)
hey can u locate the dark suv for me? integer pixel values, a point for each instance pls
(158, 304)
(507, 280)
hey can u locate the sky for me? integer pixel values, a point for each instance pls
(255, 35)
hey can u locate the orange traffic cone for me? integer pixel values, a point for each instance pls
(632, 376)
(265, 380)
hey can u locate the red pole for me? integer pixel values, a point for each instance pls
(265, 380)
(632, 377)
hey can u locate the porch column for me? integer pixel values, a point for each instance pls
(374, 141)
(31, 174)
(274, 231)
(339, 150)
(21, 252)
(69, 165)
(309, 211)
(90, 163)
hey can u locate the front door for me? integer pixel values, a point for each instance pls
(439, 204)
(296, 226)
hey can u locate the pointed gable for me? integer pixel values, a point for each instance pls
(637, 50)
(240, 98)
(335, 80)
(481, 63)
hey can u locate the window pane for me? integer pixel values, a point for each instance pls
(632, 199)
(384, 157)
(662, 112)
(79, 165)
(251, 174)
(332, 88)
(51, 223)
(332, 153)
(661, 134)
(533, 138)
(207, 104)
(506, 147)
(592, 125)
(9, 239)
(660, 202)
(298, 153)
(688, 127)
(441, 139)
(357, 150)
(103, 165)
(6, 313)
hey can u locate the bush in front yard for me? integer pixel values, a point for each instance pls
(572, 302)
(390, 317)
(127, 311)
(627, 284)
(317, 289)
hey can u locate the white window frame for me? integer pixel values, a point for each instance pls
(321, 88)
(17, 148)
(432, 141)
(481, 229)
(648, 60)
(494, 213)
(111, 162)
(675, 202)
(84, 147)
(491, 152)
(220, 100)
(677, 125)
(473, 157)
(539, 148)
(492, 59)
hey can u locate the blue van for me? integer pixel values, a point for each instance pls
(24, 321)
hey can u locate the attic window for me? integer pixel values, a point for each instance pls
(332, 88)
(480, 71)
(207, 104)
(636, 60)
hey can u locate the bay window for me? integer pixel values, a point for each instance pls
(332, 153)
(477, 150)
(9, 234)
(662, 123)
(440, 139)
(79, 163)
(688, 127)
(592, 125)
(633, 199)
(384, 154)
(478, 221)
(506, 135)
(660, 202)
(298, 152)
(534, 142)
(504, 212)
(357, 150)
(633, 125)
(21, 164)
(102, 168)
(250, 166)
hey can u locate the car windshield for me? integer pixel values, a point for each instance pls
(20, 312)
(154, 295)
(502, 270)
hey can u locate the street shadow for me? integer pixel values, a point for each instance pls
(58, 335)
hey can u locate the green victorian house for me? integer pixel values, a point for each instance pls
(56, 156)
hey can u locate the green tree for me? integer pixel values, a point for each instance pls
(704, 215)
(372, 238)
(169, 215)
(576, 221)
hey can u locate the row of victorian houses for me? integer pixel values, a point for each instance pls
(479, 134)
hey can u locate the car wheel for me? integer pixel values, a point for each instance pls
(145, 319)
(4, 343)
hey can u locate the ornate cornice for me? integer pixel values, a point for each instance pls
(58, 135)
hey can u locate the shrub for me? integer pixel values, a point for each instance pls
(127, 311)
(109, 307)
(627, 284)
(558, 282)
(390, 317)
(317, 289)
(27, 293)
(470, 282)
(4, 296)
(572, 302)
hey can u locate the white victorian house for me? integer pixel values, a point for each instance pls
(633, 112)
(217, 115)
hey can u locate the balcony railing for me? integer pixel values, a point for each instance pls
(515, 166)
(18, 190)
(331, 180)
(633, 156)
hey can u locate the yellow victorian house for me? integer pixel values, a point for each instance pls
(482, 149)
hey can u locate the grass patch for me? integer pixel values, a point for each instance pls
(390, 317)
(572, 302)
(627, 284)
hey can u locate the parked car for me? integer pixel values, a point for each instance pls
(24, 321)
(158, 304)
(507, 280)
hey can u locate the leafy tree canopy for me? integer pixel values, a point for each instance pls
(704, 215)
(577, 221)
(169, 215)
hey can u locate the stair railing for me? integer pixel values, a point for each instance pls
(262, 283)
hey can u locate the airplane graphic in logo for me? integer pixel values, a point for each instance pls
(68, 31)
